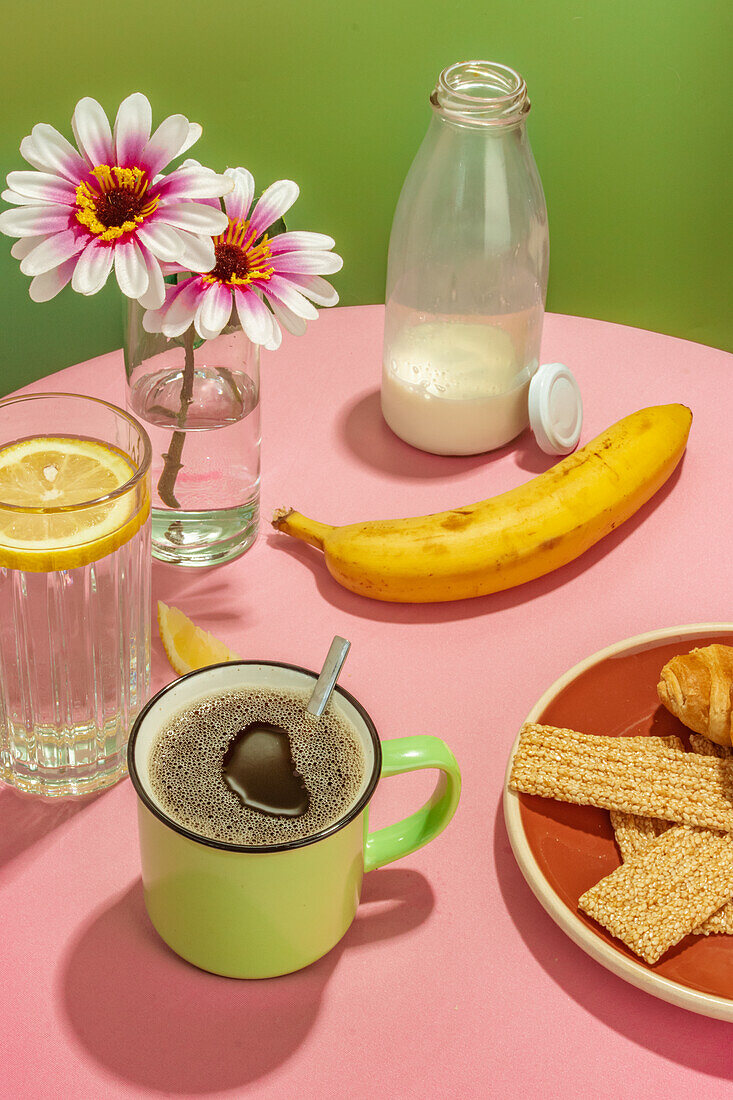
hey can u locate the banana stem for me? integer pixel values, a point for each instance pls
(300, 527)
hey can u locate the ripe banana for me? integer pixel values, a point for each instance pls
(512, 538)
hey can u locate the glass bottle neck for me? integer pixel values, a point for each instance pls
(480, 94)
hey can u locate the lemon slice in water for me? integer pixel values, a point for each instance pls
(186, 645)
(50, 479)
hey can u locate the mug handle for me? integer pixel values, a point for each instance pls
(411, 754)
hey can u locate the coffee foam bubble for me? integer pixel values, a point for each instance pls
(186, 761)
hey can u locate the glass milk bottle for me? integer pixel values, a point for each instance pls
(467, 272)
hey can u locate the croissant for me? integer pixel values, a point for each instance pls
(696, 687)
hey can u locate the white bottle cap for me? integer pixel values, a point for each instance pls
(555, 409)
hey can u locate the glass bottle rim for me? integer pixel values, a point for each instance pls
(481, 93)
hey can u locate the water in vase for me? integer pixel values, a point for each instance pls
(205, 432)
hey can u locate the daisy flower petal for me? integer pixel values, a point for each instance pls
(23, 246)
(42, 187)
(276, 339)
(194, 183)
(179, 314)
(154, 296)
(196, 217)
(131, 269)
(213, 311)
(272, 204)
(52, 252)
(45, 287)
(238, 202)
(153, 318)
(288, 319)
(132, 129)
(163, 241)
(49, 151)
(293, 242)
(92, 132)
(315, 288)
(254, 316)
(287, 295)
(165, 144)
(195, 130)
(307, 263)
(16, 199)
(197, 253)
(33, 221)
(92, 268)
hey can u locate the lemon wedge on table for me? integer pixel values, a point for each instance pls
(186, 645)
(50, 478)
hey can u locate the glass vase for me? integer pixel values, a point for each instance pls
(467, 271)
(200, 403)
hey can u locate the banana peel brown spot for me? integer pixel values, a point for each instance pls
(456, 521)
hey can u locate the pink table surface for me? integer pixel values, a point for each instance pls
(452, 982)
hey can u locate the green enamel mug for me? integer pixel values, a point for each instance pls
(256, 912)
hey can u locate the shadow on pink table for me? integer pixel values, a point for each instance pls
(155, 1021)
(363, 431)
(27, 821)
(681, 1037)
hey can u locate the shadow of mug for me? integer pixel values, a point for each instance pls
(157, 1022)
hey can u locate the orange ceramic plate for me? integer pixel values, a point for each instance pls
(563, 849)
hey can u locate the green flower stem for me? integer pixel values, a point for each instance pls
(167, 480)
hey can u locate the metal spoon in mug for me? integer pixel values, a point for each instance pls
(326, 682)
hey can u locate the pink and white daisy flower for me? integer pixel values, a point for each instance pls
(252, 272)
(83, 211)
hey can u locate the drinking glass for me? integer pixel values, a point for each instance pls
(74, 593)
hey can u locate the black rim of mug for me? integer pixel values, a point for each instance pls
(265, 849)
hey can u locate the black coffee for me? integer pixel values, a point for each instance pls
(253, 767)
(259, 767)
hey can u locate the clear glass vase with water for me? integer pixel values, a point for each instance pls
(467, 271)
(200, 403)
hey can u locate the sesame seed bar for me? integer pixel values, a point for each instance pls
(653, 901)
(704, 747)
(632, 832)
(721, 922)
(624, 773)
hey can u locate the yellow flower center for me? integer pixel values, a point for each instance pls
(115, 202)
(238, 259)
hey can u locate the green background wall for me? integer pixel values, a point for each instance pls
(631, 127)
